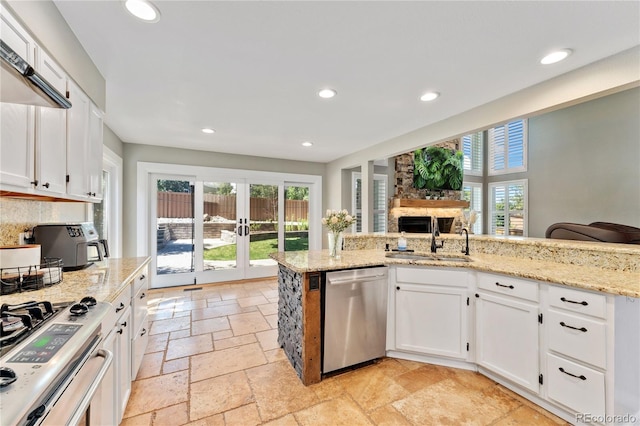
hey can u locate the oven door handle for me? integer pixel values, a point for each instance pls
(93, 371)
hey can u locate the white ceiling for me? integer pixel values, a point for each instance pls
(251, 70)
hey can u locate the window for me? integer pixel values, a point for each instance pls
(508, 148)
(508, 208)
(472, 150)
(107, 215)
(379, 202)
(472, 192)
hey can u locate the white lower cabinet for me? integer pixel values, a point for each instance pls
(140, 325)
(430, 312)
(579, 388)
(507, 338)
(116, 386)
(574, 352)
(127, 345)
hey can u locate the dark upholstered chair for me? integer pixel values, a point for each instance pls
(597, 231)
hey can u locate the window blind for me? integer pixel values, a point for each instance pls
(508, 147)
(472, 192)
(472, 150)
(508, 208)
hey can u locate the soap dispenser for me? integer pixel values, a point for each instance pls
(402, 242)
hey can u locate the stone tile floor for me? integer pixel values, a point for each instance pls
(213, 359)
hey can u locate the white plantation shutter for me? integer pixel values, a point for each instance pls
(472, 192)
(496, 149)
(379, 202)
(472, 150)
(508, 148)
(357, 201)
(508, 208)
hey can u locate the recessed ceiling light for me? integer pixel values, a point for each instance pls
(307, 143)
(556, 56)
(143, 9)
(327, 93)
(429, 96)
(208, 130)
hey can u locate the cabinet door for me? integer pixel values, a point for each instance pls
(431, 320)
(94, 152)
(51, 138)
(138, 346)
(124, 361)
(77, 141)
(16, 121)
(103, 408)
(507, 339)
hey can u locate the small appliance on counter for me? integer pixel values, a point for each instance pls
(77, 244)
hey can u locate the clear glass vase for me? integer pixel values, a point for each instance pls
(335, 243)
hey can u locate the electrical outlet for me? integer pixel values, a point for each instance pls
(21, 238)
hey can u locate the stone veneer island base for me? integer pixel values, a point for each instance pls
(299, 322)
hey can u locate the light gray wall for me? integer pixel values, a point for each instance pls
(113, 142)
(46, 24)
(584, 163)
(610, 75)
(134, 153)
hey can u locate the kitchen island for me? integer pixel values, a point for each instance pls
(608, 272)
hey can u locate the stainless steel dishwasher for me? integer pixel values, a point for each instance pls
(355, 317)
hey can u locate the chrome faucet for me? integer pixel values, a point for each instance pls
(465, 250)
(435, 233)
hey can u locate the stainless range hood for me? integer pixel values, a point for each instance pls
(21, 84)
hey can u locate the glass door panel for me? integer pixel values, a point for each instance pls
(174, 229)
(296, 218)
(219, 225)
(263, 224)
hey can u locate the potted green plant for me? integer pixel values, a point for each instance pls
(437, 168)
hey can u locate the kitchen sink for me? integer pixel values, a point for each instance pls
(444, 257)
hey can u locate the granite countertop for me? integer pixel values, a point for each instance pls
(103, 280)
(586, 277)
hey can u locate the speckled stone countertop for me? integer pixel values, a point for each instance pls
(103, 280)
(607, 280)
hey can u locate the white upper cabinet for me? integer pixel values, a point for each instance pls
(51, 138)
(84, 146)
(77, 137)
(17, 121)
(94, 152)
(49, 151)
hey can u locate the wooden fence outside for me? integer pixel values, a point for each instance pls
(179, 205)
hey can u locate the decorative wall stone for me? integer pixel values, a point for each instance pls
(403, 188)
(290, 336)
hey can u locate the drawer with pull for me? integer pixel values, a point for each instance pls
(576, 336)
(577, 387)
(524, 289)
(139, 304)
(580, 301)
(118, 307)
(141, 281)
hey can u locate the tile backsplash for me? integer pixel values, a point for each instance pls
(17, 215)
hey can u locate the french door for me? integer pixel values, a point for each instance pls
(220, 228)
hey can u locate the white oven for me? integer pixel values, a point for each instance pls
(52, 376)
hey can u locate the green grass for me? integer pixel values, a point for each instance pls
(257, 249)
